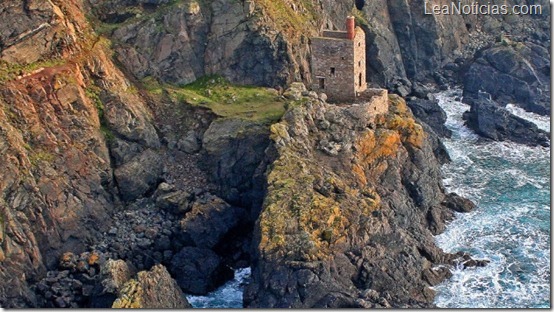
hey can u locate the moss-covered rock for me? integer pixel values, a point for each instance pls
(154, 289)
(335, 224)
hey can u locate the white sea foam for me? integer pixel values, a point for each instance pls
(543, 122)
(510, 183)
(226, 296)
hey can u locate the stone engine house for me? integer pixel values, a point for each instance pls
(339, 63)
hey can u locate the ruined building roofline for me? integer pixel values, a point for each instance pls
(337, 34)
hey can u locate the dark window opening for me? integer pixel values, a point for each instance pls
(359, 63)
(332, 70)
(321, 83)
(359, 44)
(360, 79)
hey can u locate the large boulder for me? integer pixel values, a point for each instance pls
(199, 270)
(139, 176)
(494, 122)
(113, 276)
(209, 220)
(174, 201)
(154, 289)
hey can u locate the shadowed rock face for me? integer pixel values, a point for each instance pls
(352, 228)
(511, 72)
(494, 122)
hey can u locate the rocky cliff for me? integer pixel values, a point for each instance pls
(180, 41)
(108, 158)
(63, 102)
(352, 202)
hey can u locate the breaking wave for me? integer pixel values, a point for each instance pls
(510, 183)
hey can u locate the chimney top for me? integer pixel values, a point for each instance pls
(350, 27)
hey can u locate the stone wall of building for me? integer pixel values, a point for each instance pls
(332, 68)
(359, 62)
(378, 101)
(338, 65)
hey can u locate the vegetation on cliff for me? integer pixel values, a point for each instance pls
(259, 104)
(349, 202)
(308, 206)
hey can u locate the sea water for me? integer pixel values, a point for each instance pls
(226, 296)
(510, 184)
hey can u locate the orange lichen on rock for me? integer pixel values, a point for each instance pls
(370, 146)
(402, 120)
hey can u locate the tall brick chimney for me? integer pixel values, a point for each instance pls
(350, 27)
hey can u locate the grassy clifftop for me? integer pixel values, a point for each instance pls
(224, 99)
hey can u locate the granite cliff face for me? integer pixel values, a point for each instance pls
(181, 41)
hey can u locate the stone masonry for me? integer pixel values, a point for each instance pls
(339, 64)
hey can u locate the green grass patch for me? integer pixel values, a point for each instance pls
(92, 93)
(151, 85)
(107, 132)
(9, 71)
(40, 156)
(360, 17)
(225, 99)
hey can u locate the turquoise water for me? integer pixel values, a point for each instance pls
(510, 183)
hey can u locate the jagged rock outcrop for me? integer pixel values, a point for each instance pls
(432, 114)
(113, 276)
(154, 289)
(351, 228)
(511, 72)
(181, 42)
(494, 122)
(432, 118)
